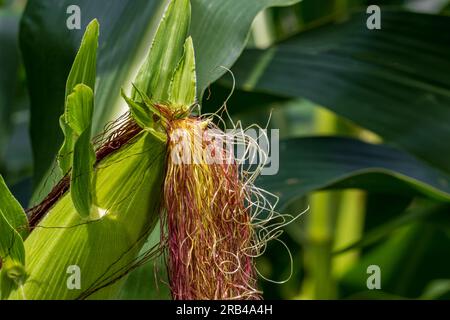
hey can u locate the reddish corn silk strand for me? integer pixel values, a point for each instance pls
(206, 227)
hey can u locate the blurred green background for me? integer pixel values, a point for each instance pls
(364, 117)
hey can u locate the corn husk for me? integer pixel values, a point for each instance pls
(128, 186)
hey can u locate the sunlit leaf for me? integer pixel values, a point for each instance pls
(85, 65)
(12, 210)
(155, 75)
(183, 88)
(409, 260)
(78, 115)
(13, 229)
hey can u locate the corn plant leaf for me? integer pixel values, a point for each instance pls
(49, 49)
(219, 30)
(143, 113)
(9, 65)
(308, 164)
(66, 150)
(85, 65)
(11, 243)
(12, 210)
(77, 153)
(437, 289)
(393, 81)
(78, 116)
(81, 179)
(79, 109)
(140, 112)
(421, 247)
(12, 253)
(183, 87)
(13, 230)
(410, 216)
(155, 75)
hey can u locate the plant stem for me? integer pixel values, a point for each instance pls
(320, 228)
(349, 228)
(263, 30)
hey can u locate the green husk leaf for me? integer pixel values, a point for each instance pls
(66, 150)
(128, 186)
(79, 109)
(143, 112)
(13, 211)
(156, 73)
(78, 116)
(183, 86)
(77, 152)
(81, 179)
(11, 243)
(83, 72)
(140, 112)
(13, 226)
(84, 67)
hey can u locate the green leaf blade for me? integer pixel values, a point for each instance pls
(220, 30)
(82, 173)
(85, 65)
(79, 110)
(183, 87)
(156, 73)
(12, 210)
(316, 163)
(77, 152)
(13, 230)
(141, 114)
(11, 243)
